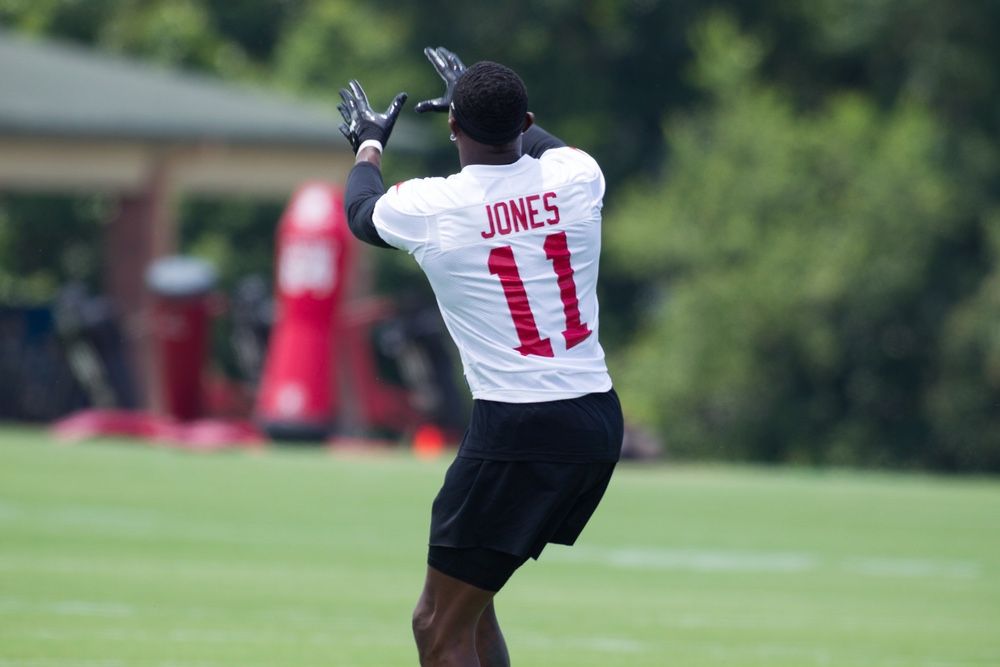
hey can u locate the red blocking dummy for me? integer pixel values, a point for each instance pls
(314, 255)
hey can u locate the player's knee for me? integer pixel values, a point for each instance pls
(437, 643)
(430, 646)
(423, 624)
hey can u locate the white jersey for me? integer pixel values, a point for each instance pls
(511, 252)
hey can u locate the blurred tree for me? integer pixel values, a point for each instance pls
(173, 32)
(330, 43)
(77, 20)
(796, 302)
(48, 241)
(255, 25)
(942, 53)
(170, 32)
(964, 400)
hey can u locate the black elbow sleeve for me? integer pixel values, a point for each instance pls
(364, 187)
(359, 219)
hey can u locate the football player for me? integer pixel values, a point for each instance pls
(510, 245)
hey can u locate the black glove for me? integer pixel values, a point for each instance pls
(449, 68)
(360, 122)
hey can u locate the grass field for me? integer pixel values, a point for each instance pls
(122, 554)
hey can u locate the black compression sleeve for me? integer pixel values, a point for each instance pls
(364, 187)
(536, 141)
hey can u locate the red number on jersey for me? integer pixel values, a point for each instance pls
(557, 250)
(501, 263)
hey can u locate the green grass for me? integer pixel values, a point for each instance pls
(122, 554)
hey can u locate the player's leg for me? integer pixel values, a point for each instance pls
(490, 644)
(446, 619)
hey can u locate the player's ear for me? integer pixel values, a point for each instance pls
(453, 125)
(529, 120)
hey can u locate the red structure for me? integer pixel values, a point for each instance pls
(180, 326)
(297, 397)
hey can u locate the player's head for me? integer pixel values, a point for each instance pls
(490, 103)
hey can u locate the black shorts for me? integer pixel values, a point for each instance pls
(516, 507)
(583, 430)
(483, 568)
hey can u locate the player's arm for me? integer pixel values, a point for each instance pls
(368, 132)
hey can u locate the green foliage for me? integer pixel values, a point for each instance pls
(330, 43)
(794, 255)
(46, 241)
(75, 19)
(172, 32)
(964, 402)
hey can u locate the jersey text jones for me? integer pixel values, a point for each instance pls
(520, 215)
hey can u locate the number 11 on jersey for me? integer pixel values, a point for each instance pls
(502, 264)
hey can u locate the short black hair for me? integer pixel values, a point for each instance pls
(490, 102)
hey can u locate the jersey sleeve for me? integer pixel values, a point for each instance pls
(398, 219)
(579, 166)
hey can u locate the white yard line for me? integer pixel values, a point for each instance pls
(698, 560)
(913, 567)
(17, 606)
(89, 608)
(145, 525)
(742, 561)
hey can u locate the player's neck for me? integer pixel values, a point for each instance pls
(472, 152)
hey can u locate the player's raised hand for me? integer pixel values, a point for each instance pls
(449, 68)
(360, 121)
